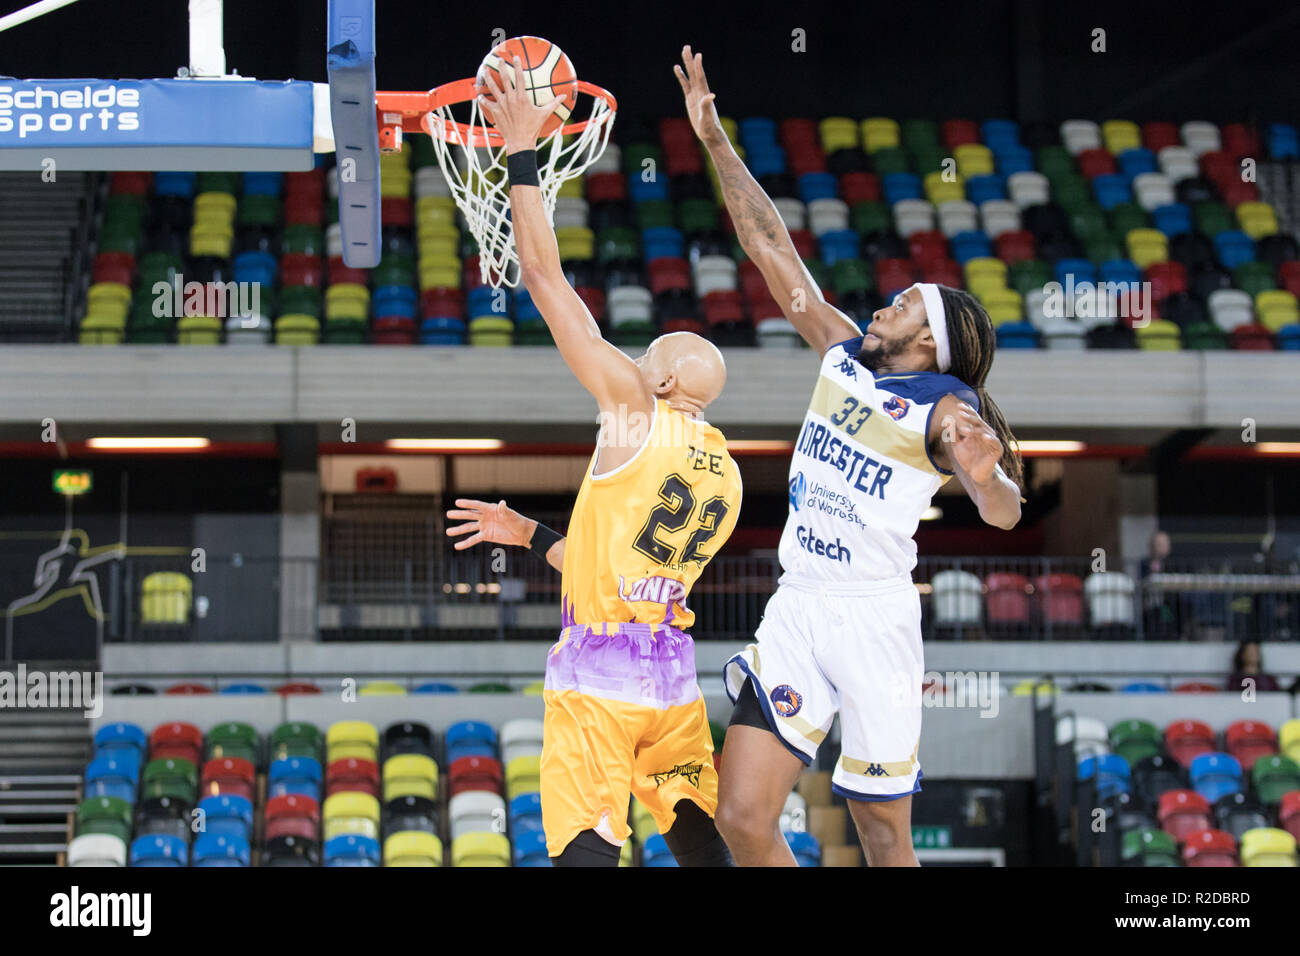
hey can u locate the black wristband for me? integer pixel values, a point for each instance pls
(542, 540)
(521, 167)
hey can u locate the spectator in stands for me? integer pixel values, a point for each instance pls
(1248, 665)
(1159, 612)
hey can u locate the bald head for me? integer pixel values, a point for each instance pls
(684, 369)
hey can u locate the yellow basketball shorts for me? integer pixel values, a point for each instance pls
(624, 715)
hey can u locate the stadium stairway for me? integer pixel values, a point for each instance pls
(44, 231)
(43, 754)
(1279, 186)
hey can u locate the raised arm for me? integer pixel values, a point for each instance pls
(759, 227)
(973, 450)
(608, 374)
(498, 524)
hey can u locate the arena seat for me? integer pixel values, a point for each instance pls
(1134, 740)
(351, 849)
(351, 738)
(352, 813)
(530, 849)
(480, 849)
(412, 848)
(526, 813)
(655, 852)
(97, 849)
(1273, 776)
(352, 774)
(228, 814)
(159, 850)
(1182, 812)
(1215, 775)
(804, 846)
(410, 775)
(1087, 736)
(1247, 740)
(1268, 846)
(1205, 848)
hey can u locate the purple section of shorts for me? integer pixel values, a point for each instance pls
(646, 664)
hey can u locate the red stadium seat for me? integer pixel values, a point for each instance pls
(798, 131)
(946, 273)
(310, 181)
(442, 301)
(1235, 192)
(1219, 166)
(396, 211)
(1240, 140)
(606, 187)
(1166, 278)
(475, 773)
(926, 247)
(1288, 813)
(676, 131)
(1248, 740)
(594, 299)
(1210, 848)
(1186, 739)
(684, 324)
(804, 243)
(1197, 687)
(304, 210)
(1252, 338)
(857, 187)
(957, 132)
(130, 183)
(300, 268)
(1096, 162)
(176, 740)
(1060, 599)
(232, 775)
(723, 307)
(1007, 598)
(669, 273)
(352, 773)
(297, 687)
(1183, 812)
(114, 267)
(752, 283)
(1157, 135)
(188, 688)
(894, 274)
(1015, 246)
(340, 273)
(392, 330)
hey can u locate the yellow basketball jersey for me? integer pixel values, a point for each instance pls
(641, 534)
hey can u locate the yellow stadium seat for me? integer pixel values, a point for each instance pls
(1158, 335)
(198, 330)
(838, 132)
(571, 188)
(1276, 316)
(480, 849)
(165, 598)
(1119, 135)
(394, 187)
(1147, 247)
(1269, 298)
(1003, 305)
(208, 243)
(412, 848)
(523, 775)
(350, 811)
(879, 132)
(437, 259)
(625, 854)
(1288, 738)
(440, 248)
(575, 242)
(410, 775)
(982, 266)
(534, 689)
(1268, 846)
(382, 688)
(101, 329)
(297, 328)
(491, 330)
(435, 209)
(731, 128)
(1026, 688)
(209, 202)
(108, 296)
(973, 159)
(351, 738)
(439, 277)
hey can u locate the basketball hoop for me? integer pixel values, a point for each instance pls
(473, 158)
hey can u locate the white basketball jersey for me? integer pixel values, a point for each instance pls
(861, 473)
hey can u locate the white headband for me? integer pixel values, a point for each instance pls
(934, 311)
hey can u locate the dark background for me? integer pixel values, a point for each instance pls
(1019, 58)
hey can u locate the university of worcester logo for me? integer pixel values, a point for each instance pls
(786, 701)
(896, 407)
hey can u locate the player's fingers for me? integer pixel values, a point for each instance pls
(551, 107)
(706, 99)
(471, 503)
(460, 529)
(681, 78)
(464, 515)
(517, 77)
(490, 81)
(468, 542)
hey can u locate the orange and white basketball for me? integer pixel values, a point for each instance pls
(547, 74)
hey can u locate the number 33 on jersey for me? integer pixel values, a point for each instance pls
(641, 534)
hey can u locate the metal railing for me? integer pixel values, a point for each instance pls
(509, 593)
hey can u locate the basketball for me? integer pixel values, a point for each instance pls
(548, 73)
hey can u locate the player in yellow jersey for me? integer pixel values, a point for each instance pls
(624, 712)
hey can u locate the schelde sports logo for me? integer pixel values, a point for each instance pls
(89, 108)
(896, 407)
(786, 700)
(798, 488)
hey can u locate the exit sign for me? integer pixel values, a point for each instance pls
(931, 837)
(67, 482)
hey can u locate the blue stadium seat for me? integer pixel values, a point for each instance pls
(804, 846)
(351, 849)
(1017, 335)
(644, 190)
(244, 689)
(395, 300)
(296, 775)
(228, 814)
(662, 242)
(174, 183)
(656, 852)
(441, 330)
(215, 849)
(765, 160)
(121, 741)
(1120, 270)
(1000, 132)
(1283, 141)
(263, 183)
(980, 189)
(258, 266)
(434, 687)
(530, 849)
(1143, 687)
(900, 186)
(1011, 161)
(470, 738)
(1111, 772)
(159, 849)
(1234, 248)
(968, 245)
(107, 776)
(1135, 162)
(818, 186)
(526, 813)
(1111, 189)
(838, 244)
(1215, 775)
(757, 131)
(1174, 219)
(1082, 269)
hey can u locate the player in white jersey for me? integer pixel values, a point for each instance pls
(895, 413)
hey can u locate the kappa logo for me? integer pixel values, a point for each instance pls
(689, 771)
(875, 770)
(848, 367)
(896, 407)
(786, 700)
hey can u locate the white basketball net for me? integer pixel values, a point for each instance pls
(477, 176)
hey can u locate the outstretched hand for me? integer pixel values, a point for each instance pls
(972, 443)
(512, 111)
(498, 524)
(699, 101)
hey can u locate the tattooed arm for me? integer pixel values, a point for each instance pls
(759, 227)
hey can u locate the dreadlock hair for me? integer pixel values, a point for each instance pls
(971, 342)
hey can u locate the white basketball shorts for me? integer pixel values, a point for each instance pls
(855, 650)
